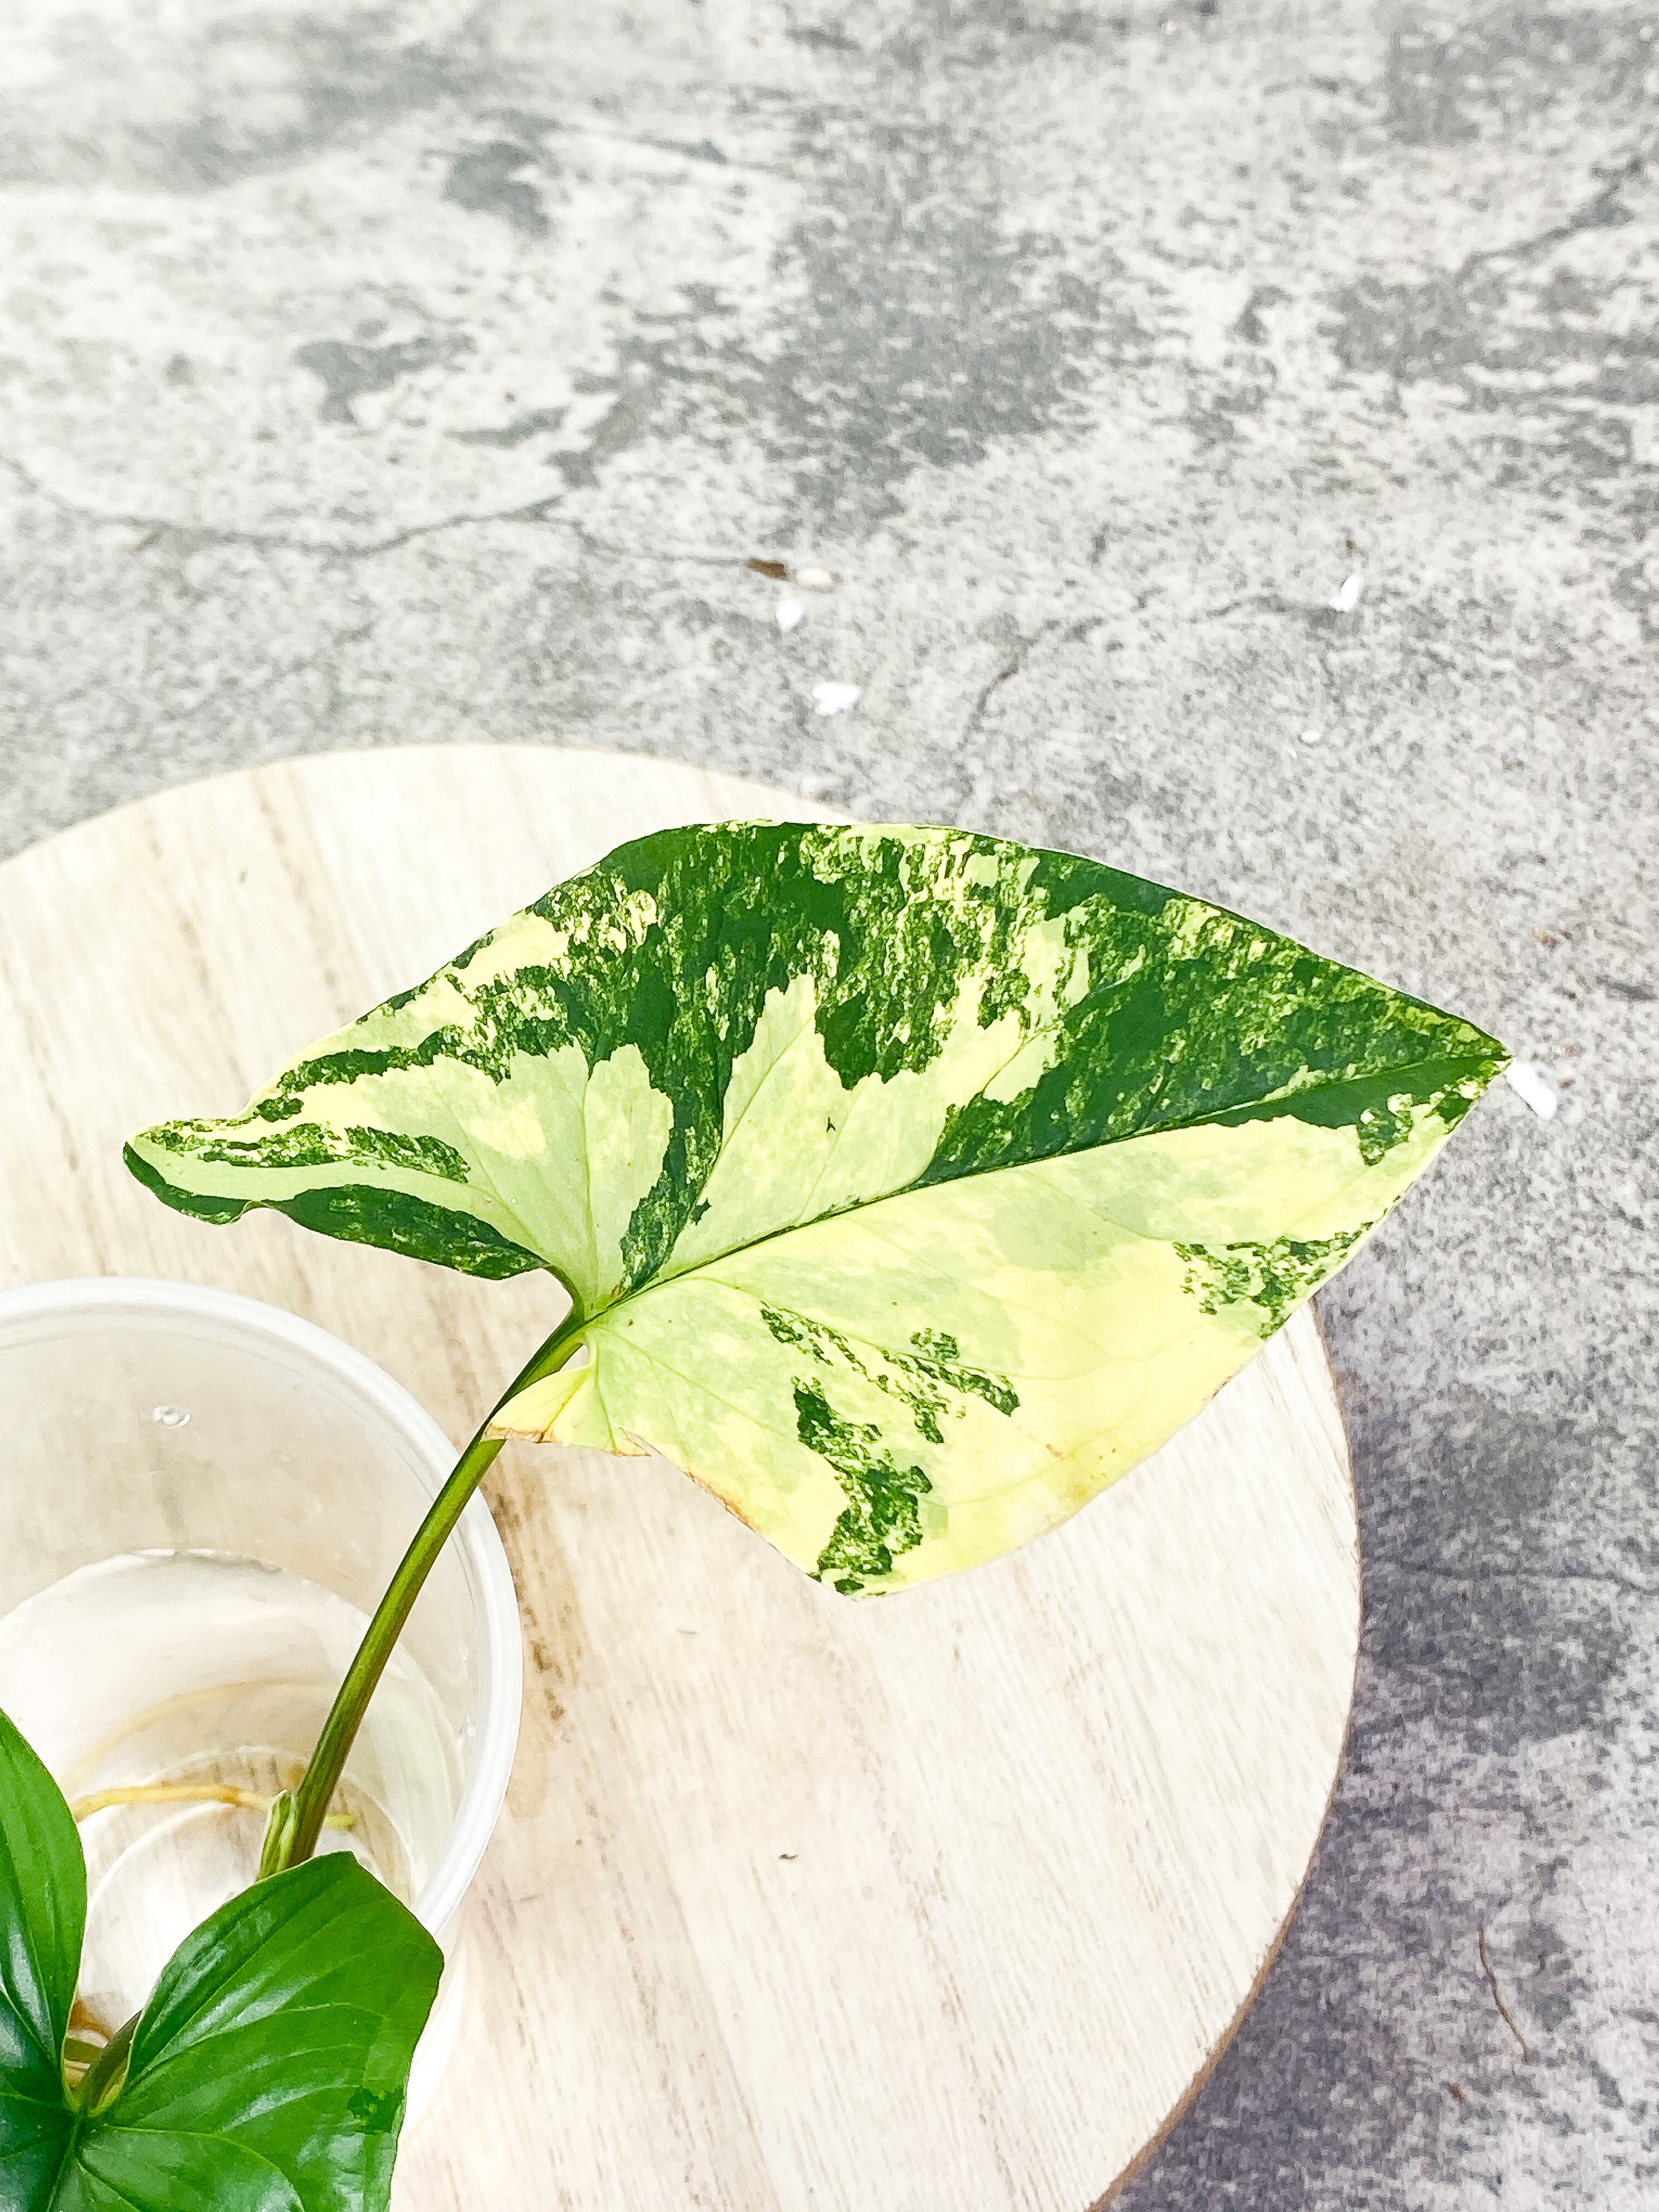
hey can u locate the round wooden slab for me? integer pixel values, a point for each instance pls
(947, 1900)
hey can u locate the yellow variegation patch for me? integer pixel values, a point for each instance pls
(1089, 1305)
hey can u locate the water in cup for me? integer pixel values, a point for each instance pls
(172, 1694)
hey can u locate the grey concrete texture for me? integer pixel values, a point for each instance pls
(431, 370)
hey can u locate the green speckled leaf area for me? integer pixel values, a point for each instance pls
(910, 1185)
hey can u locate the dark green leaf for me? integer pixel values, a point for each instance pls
(269, 2067)
(43, 1910)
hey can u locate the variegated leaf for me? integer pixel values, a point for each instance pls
(910, 1186)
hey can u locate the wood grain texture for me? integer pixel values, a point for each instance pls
(944, 1901)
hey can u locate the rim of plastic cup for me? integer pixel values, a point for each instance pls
(476, 1540)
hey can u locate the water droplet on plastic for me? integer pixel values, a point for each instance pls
(170, 1417)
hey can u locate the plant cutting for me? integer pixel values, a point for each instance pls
(902, 1186)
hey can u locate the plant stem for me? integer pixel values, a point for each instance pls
(322, 1776)
(296, 1819)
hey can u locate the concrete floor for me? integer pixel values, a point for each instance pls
(430, 370)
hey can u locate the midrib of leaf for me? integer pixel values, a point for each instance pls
(668, 1273)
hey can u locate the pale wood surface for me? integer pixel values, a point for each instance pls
(943, 1901)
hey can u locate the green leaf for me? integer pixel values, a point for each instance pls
(43, 1911)
(910, 1185)
(269, 2070)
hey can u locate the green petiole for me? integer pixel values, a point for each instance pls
(297, 1816)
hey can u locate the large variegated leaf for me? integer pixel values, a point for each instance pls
(910, 1186)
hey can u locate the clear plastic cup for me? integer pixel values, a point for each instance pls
(203, 1501)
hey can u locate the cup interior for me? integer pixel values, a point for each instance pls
(206, 1498)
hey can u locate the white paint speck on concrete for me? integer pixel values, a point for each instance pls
(1529, 1082)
